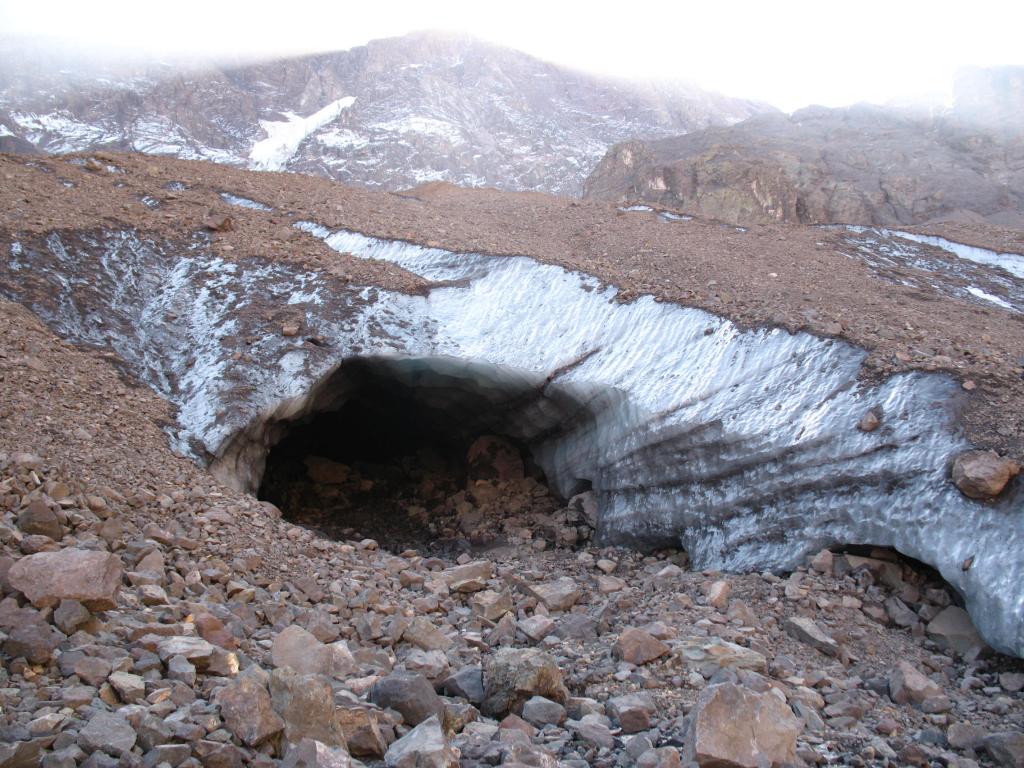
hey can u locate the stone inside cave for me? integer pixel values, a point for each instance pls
(419, 454)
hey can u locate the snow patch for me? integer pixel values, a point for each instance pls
(284, 137)
(975, 291)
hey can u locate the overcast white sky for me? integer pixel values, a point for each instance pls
(788, 53)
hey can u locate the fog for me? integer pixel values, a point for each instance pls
(790, 54)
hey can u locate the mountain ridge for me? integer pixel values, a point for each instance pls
(424, 107)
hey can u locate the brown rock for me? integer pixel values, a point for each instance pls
(90, 577)
(38, 519)
(908, 685)
(219, 223)
(734, 727)
(558, 595)
(410, 694)
(362, 731)
(306, 704)
(299, 649)
(983, 474)
(248, 713)
(310, 753)
(718, 594)
(806, 630)
(870, 421)
(511, 676)
(638, 647)
(953, 629)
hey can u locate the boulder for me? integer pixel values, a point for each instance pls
(425, 746)
(310, 753)
(909, 686)
(718, 594)
(514, 675)
(734, 727)
(306, 705)
(1006, 748)
(953, 629)
(708, 654)
(424, 634)
(362, 731)
(983, 474)
(35, 641)
(248, 712)
(806, 630)
(632, 711)
(37, 519)
(300, 650)
(410, 694)
(107, 732)
(558, 595)
(91, 577)
(638, 647)
(539, 711)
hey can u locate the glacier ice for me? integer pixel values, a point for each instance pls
(740, 445)
(285, 136)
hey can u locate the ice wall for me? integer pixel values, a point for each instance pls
(741, 445)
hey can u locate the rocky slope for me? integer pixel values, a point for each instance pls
(860, 165)
(394, 113)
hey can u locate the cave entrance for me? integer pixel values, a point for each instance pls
(431, 454)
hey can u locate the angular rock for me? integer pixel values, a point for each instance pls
(558, 595)
(70, 615)
(310, 753)
(539, 711)
(953, 629)
(299, 649)
(632, 711)
(306, 704)
(514, 675)
(424, 634)
(909, 686)
(1006, 748)
(490, 604)
(35, 641)
(468, 683)
(196, 650)
(425, 746)
(410, 694)
(718, 594)
(92, 578)
(362, 731)
(39, 520)
(130, 688)
(108, 732)
(983, 474)
(248, 712)
(638, 647)
(806, 630)
(734, 727)
(710, 654)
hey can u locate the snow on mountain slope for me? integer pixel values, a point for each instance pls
(283, 138)
(392, 114)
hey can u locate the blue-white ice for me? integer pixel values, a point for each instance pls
(244, 202)
(1011, 262)
(740, 445)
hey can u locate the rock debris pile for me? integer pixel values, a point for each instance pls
(127, 642)
(422, 501)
